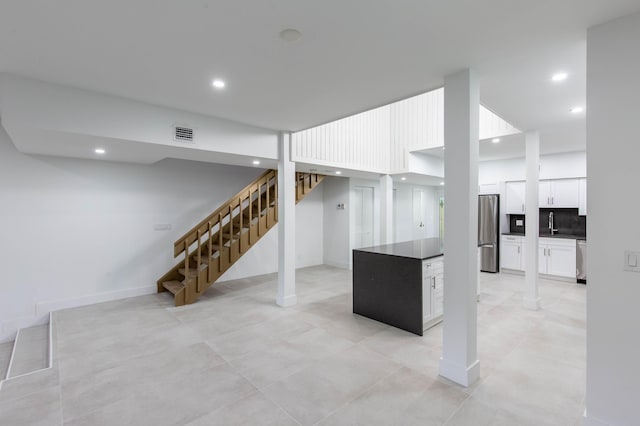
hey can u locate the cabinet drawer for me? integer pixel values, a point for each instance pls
(432, 266)
(558, 242)
(512, 238)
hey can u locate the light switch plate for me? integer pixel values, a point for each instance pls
(632, 261)
(162, 227)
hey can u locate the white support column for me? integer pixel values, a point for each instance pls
(386, 209)
(459, 361)
(286, 223)
(532, 158)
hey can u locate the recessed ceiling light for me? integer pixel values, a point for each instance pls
(403, 178)
(441, 183)
(559, 76)
(338, 172)
(290, 35)
(495, 140)
(576, 110)
(99, 151)
(218, 84)
(256, 162)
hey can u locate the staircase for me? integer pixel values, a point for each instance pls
(211, 247)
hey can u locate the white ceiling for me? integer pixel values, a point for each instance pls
(354, 54)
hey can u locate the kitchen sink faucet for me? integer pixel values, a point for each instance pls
(551, 229)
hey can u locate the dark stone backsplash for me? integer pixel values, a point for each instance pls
(566, 221)
(512, 223)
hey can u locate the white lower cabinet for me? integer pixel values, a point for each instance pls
(512, 252)
(557, 257)
(432, 291)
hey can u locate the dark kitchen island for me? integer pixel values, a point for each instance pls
(388, 282)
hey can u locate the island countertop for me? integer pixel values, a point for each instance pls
(426, 248)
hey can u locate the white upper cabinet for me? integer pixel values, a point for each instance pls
(544, 193)
(561, 193)
(515, 197)
(582, 209)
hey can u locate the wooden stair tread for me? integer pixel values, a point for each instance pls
(192, 271)
(173, 286)
(205, 254)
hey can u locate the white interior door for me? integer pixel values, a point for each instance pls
(363, 211)
(420, 214)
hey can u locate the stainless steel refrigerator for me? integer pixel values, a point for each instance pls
(489, 232)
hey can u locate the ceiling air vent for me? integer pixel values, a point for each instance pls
(182, 134)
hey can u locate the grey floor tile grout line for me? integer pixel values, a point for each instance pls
(364, 391)
(458, 408)
(279, 406)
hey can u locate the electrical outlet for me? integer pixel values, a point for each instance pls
(632, 261)
(519, 222)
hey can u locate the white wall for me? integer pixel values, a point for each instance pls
(613, 155)
(336, 222)
(553, 166)
(381, 140)
(426, 164)
(263, 258)
(51, 119)
(359, 142)
(416, 123)
(81, 231)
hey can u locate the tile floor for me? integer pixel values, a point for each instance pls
(234, 358)
(5, 356)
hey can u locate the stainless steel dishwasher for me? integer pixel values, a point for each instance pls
(581, 261)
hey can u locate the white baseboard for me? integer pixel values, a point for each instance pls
(341, 265)
(512, 271)
(287, 301)
(592, 421)
(43, 309)
(532, 304)
(460, 374)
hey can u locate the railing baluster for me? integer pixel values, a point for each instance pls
(240, 223)
(220, 242)
(199, 257)
(230, 233)
(209, 269)
(186, 262)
